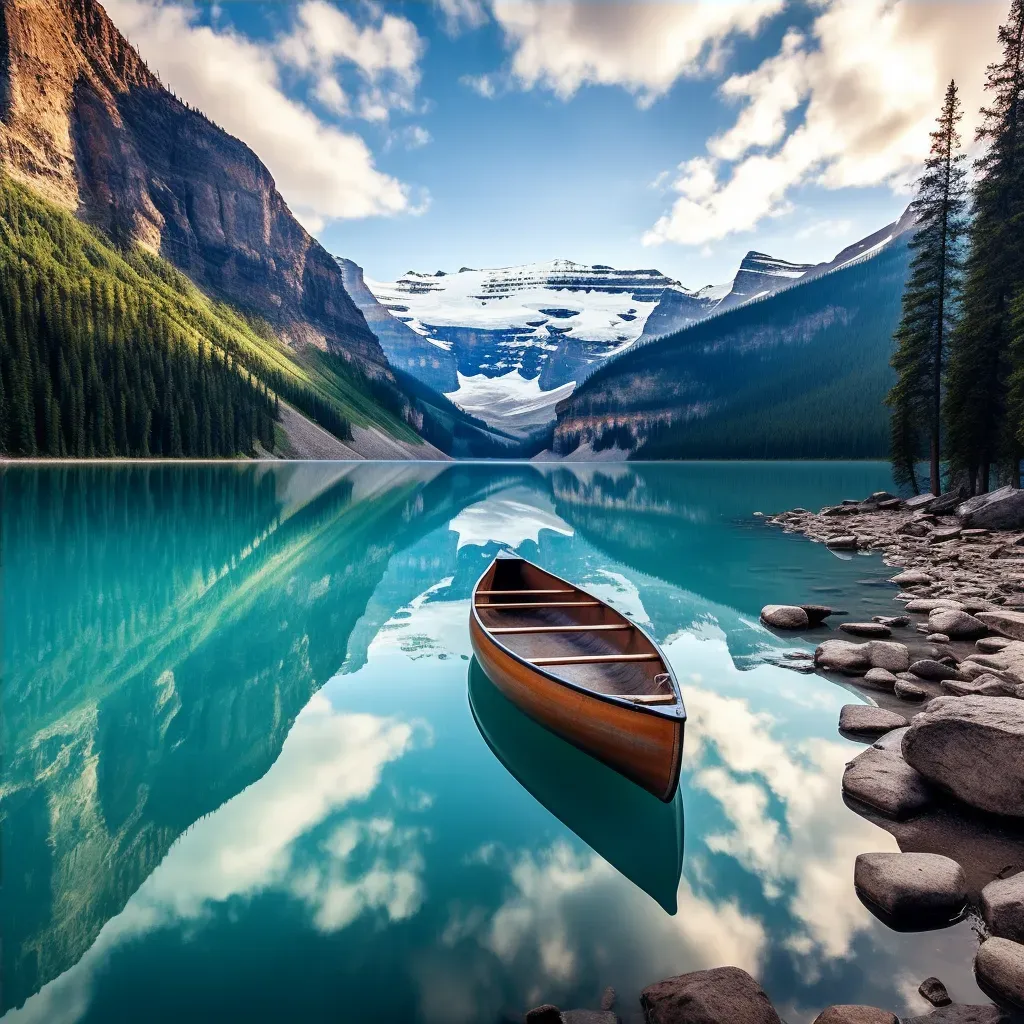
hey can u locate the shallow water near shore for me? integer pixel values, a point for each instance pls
(250, 771)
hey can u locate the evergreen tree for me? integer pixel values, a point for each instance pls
(978, 414)
(930, 299)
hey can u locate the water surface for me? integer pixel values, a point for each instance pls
(250, 771)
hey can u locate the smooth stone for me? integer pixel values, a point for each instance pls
(927, 605)
(708, 997)
(867, 720)
(784, 616)
(1007, 623)
(961, 1013)
(991, 644)
(937, 638)
(892, 740)
(994, 686)
(934, 991)
(888, 654)
(956, 624)
(911, 578)
(546, 1014)
(883, 780)
(999, 970)
(1008, 663)
(1002, 907)
(855, 1015)
(973, 748)
(934, 671)
(997, 510)
(817, 613)
(912, 887)
(843, 656)
(869, 629)
(845, 543)
(919, 502)
(893, 621)
(882, 678)
(906, 690)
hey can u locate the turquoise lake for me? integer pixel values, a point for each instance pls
(251, 772)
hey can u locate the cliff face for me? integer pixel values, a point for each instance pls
(86, 124)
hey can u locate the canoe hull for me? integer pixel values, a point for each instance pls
(646, 748)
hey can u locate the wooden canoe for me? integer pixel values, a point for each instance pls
(582, 669)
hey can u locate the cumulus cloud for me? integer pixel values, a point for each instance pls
(644, 47)
(850, 103)
(461, 14)
(322, 171)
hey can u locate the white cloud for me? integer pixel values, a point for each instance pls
(644, 47)
(869, 76)
(461, 14)
(483, 85)
(322, 171)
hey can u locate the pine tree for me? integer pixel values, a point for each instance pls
(930, 299)
(980, 431)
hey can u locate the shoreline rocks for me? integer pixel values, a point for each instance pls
(999, 970)
(883, 781)
(708, 997)
(915, 889)
(867, 720)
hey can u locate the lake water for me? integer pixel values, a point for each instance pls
(250, 771)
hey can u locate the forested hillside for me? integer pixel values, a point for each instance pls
(802, 374)
(115, 352)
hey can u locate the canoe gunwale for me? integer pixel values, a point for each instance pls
(675, 712)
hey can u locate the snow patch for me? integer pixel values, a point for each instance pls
(509, 401)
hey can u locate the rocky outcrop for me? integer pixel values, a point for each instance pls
(998, 510)
(708, 997)
(86, 124)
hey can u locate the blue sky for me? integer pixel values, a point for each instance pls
(676, 135)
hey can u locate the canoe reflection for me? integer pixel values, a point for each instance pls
(641, 837)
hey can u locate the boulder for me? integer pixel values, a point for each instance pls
(944, 533)
(991, 644)
(999, 970)
(892, 740)
(956, 624)
(1008, 663)
(883, 780)
(994, 686)
(546, 1014)
(927, 605)
(912, 888)
(846, 542)
(843, 656)
(937, 638)
(855, 1015)
(608, 998)
(1007, 623)
(890, 504)
(817, 613)
(589, 1017)
(1002, 907)
(909, 691)
(784, 616)
(867, 720)
(880, 496)
(882, 678)
(888, 654)
(870, 629)
(934, 671)
(934, 991)
(997, 510)
(947, 503)
(708, 997)
(919, 502)
(893, 621)
(962, 1013)
(973, 748)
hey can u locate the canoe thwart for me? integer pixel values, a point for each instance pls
(650, 698)
(587, 659)
(502, 592)
(560, 629)
(538, 604)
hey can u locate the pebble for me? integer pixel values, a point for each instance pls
(909, 691)
(882, 678)
(935, 992)
(937, 638)
(911, 578)
(893, 621)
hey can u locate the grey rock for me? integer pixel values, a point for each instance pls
(962, 1013)
(919, 502)
(869, 629)
(929, 604)
(912, 888)
(784, 616)
(1007, 623)
(994, 686)
(839, 510)
(944, 533)
(842, 656)
(937, 638)
(546, 1014)
(1002, 907)
(799, 655)
(855, 1015)
(608, 997)
(708, 997)
(847, 542)
(998, 510)
(883, 780)
(880, 496)
(892, 741)
(935, 992)
(867, 720)
(991, 644)
(947, 503)
(908, 691)
(817, 613)
(890, 504)
(882, 678)
(999, 970)
(1008, 663)
(934, 671)
(888, 654)
(973, 748)
(956, 624)
(893, 621)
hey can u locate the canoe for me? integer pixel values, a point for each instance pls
(582, 669)
(633, 831)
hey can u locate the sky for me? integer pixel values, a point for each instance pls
(675, 134)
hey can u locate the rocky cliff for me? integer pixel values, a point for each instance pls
(86, 124)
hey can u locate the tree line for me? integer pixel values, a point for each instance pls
(959, 355)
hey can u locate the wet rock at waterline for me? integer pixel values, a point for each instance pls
(881, 678)
(912, 889)
(869, 629)
(888, 654)
(708, 997)
(1002, 907)
(991, 644)
(855, 1015)
(973, 748)
(842, 656)
(784, 616)
(909, 691)
(817, 613)
(935, 992)
(892, 740)
(882, 780)
(999, 970)
(956, 624)
(933, 671)
(1007, 663)
(869, 721)
(912, 578)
